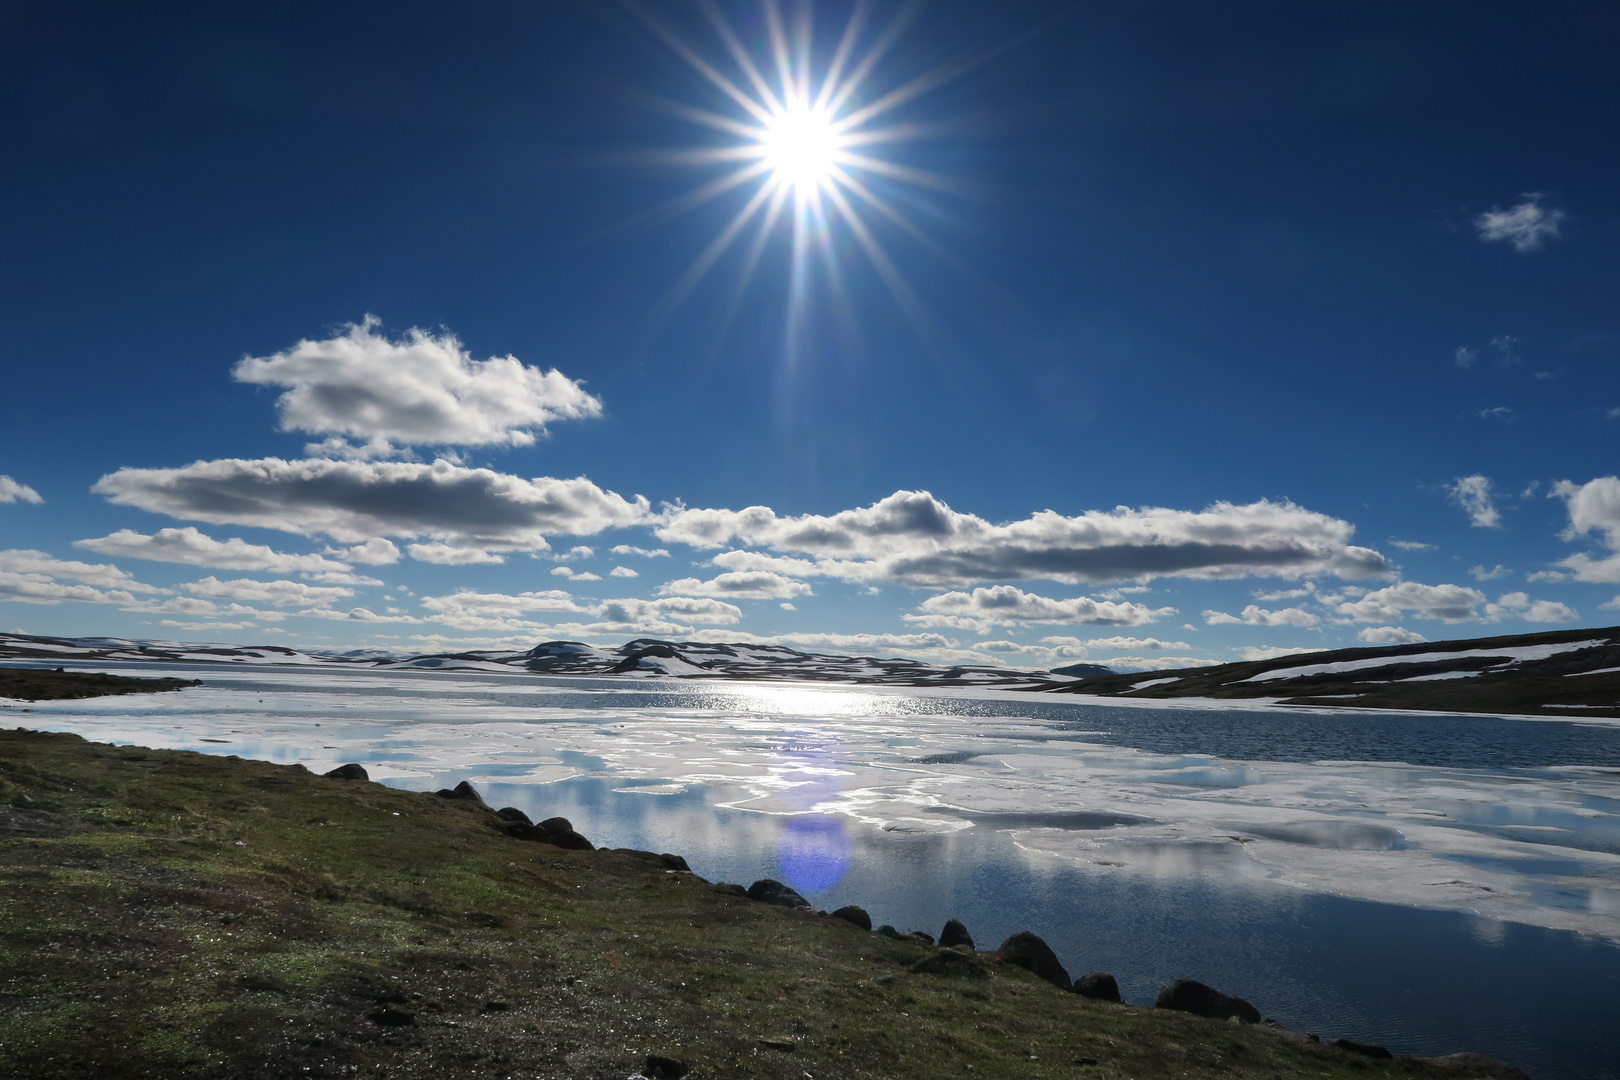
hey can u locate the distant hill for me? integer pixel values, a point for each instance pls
(1565, 673)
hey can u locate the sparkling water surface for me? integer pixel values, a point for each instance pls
(1431, 883)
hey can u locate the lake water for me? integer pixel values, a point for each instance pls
(1429, 883)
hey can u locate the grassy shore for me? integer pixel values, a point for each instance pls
(170, 914)
(41, 684)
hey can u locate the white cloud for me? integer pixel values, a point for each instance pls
(1132, 643)
(101, 575)
(1500, 412)
(12, 491)
(622, 571)
(193, 547)
(451, 555)
(1479, 573)
(741, 584)
(422, 390)
(1464, 356)
(1412, 545)
(378, 551)
(1527, 226)
(1390, 635)
(1520, 604)
(1593, 507)
(39, 589)
(1253, 615)
(1447, 603)
(353, 502)
(1159, 663)
(1271, 652)
(912, 538)
(1544, 577)
(1473, 494)
(277, 593)
(508, 613)
(645, 553)
(575, 575)
(785, 606)
(1008, 605)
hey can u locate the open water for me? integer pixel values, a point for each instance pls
(1430, 883)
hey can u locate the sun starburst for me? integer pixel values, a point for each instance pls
(809, 151)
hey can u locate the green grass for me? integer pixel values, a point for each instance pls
(169, 914)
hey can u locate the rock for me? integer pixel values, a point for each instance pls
(1029, 952)
(512, 813)
(778, 1043)
(463, 791)
(350, 771)
(658, 1067)
(661, 861)
(768, 891)
(728, 888)
(922, 936)
(1364, 1049)
(1472, 1066)
(952, 964)
(888, 931)
(495, 1005)
(391, 1017)
(955, 934)
(555, 825)
(852, 914)
(1192, 996)
(570, 840)
(1097, 984)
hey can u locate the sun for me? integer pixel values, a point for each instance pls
(801, 144)
(814, 131)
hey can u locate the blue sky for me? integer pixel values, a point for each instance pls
(1141, 334)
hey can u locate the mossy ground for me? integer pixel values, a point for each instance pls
(44, 684)
(170, 914)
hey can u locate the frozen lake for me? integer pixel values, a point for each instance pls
(1431, 883)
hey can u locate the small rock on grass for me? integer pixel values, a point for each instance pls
(1192, 996)
(778, 1042)
(1028, 951)
(1371, 1050)
(856, 915)
(464, 791)
(955, 934)
(770, 891)
(659, 1067)
(1097, 984)
(351, 771)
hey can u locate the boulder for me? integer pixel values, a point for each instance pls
(464, 791)
(512, 813)
(555, 825)
(728, 888)
(888, 931)
(955, 934)
(1192, 996)
(1371, 1050)
(570, 840)
(1029, 952)
(350, 771)
(921, 937)
(856, 915)
(660, 861)
(952, 964)
(769, 891)
(1097, 984)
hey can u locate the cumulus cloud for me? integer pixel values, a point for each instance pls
(1447, 603)
(1544, 577)
(276, 593)
(353, 502)
(1519, 604)
(451, 555)
(424, 389)
(1593, 507)
(912, 538)
(1412, 545)
(1008, 605)
(1481, 573)
(193, 547)
(33, 563)
(645, 553)
(11, 491)
(622, 571)
(740, 584)
(1390, 635)
(1254, 615)
(1527, 225)
(1134, 644)
(1473, 494)
(575, 575)
(378, 551)
(511, 613)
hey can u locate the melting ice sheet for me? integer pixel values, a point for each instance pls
(1268, 850)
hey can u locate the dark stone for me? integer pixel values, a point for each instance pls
(888, 931)
(1364, 1049)
(728, 888)
(658, 1067)
(494, 1005)
(852, 914)
(512, 813)
(955, 934)
(1029, 952)
(1192, 996)
(555, 824)
(570, 840)
(391, 1017)
(662, 861)
(769, 891)
(464, 791)
(952, 964)
(1097, 984)
(350, 771)
(922, 935)
(778, 1043)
